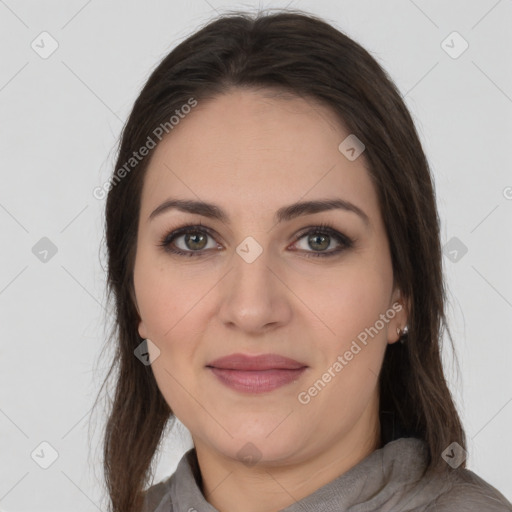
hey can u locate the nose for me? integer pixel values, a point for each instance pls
(254, 296)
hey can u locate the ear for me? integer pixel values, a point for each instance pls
(400, 305)
(143, 333)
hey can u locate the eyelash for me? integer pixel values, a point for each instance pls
(324, 229)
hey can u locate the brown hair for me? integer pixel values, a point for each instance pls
(298, 53)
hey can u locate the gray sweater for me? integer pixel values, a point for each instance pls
(391, 478)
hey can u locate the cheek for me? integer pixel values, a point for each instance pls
(348, 299)
(163, 296)
(168, 314)
(349, 302)
(169, 302)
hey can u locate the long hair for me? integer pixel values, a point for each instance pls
(298, 53)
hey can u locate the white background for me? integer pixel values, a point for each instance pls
(59, 122)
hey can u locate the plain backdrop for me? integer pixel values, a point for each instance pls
(60, 117)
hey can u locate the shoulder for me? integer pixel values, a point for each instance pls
(156, 494)
(465, 491)
(182, 484)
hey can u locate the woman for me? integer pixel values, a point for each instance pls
(274, 256)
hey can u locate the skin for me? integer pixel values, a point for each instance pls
(251, 154)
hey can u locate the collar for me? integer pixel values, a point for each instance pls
(375, 483)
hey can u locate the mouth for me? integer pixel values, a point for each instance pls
(256, 374)
(261, 362)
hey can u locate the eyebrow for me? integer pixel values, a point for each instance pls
(284, 214)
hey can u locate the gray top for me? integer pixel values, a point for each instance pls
(390, 479)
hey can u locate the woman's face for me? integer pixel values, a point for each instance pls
(254, 284)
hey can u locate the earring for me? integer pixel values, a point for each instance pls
(402, 332)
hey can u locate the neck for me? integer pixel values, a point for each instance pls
(229, 485)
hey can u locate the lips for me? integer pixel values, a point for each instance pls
(256, 363)
(256, 374)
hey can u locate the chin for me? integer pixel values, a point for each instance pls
(260, 447)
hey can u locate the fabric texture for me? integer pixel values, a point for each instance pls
(390, 479)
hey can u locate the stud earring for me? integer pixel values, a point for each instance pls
(402, 333)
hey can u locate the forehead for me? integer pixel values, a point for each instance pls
(248, 150)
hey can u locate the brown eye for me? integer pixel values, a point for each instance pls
(319, 242)
(188, 241)
(196, 241)
(192, 240)
(319, 238)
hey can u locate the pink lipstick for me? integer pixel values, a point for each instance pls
(256, 374)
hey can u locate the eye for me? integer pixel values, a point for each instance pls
(194, 241)
(321, 237)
